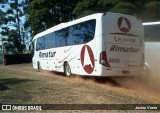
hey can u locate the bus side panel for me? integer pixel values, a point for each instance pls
(84, 63)
(89, 54)
(99, 47)
(87, 60)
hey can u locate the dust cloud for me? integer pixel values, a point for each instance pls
(143, 85)
(147, 85)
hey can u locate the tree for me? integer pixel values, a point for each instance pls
(12, 25)
(147, 10)
(2, 13)
(152, 11)
(87, 7)
(45, 14)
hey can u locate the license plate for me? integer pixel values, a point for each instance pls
(125, 72)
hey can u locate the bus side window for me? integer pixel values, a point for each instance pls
(91, 25)
(39, 44)
(87, 31)
(61, 37)
(57, 39)
(73, 34)
(49, 41)
(64, 33)
(43, 42)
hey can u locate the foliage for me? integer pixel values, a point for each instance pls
(152, 12)
(45, 14)
(13, 45)
(12, 26)
(147, 10)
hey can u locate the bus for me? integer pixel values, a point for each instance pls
(101, 44)
(152, 47)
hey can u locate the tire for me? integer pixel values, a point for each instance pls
(67, 70)
(39, 67)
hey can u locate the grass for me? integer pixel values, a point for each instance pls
(19, 84)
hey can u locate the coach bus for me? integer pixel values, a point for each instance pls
(152, 47)
(102, 44)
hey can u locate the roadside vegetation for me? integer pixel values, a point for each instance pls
(21, 20)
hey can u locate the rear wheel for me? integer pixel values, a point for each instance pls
(67, 69)
(147, 70)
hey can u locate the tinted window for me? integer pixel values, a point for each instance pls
(40, 44)
(73, 35)
(87, 31)
(77, 34)
(50, 41)
(61, 37)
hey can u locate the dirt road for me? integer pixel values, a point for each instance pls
(21, 84)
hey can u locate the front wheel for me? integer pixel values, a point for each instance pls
(39, 67)
(67, 70)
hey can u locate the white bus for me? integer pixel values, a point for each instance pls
(102, 44)
(152, 47)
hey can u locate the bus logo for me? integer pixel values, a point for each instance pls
(124, 24)
(87, 59)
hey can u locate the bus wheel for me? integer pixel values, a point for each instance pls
(67, 69)
(39, 67)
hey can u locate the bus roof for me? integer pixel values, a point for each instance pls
(151, 23)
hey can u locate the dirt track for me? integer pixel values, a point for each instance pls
(20, 84)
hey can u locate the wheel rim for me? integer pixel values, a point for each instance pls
(67, 70)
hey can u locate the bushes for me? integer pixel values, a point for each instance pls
(17, 59)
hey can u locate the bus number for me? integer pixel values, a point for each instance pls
(114, 60)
